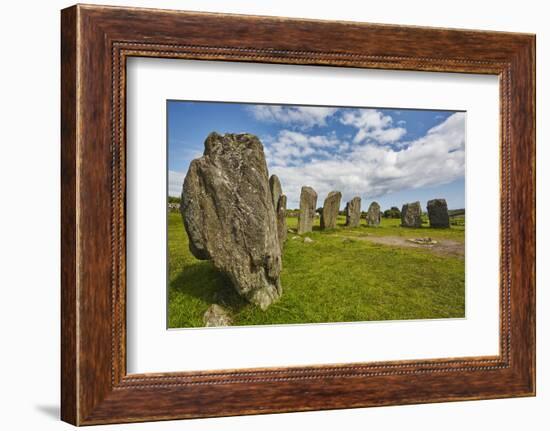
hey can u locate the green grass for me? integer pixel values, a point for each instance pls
(338, 278)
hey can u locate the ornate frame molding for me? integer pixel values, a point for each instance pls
(96, 41)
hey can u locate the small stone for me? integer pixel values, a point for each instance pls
(422, 241)
(216, 315)
(308, 203)
(331, 206)
(411, 215)
(296, 237)
(373, 214)
(353, 212)
(438, 213)
(308, 240)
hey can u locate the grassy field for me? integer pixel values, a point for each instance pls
(341, 277)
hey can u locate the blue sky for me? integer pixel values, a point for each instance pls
(392, 156)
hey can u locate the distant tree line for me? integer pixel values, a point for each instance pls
(455, 213)
(393, 212)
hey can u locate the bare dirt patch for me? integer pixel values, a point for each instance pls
(444, 247)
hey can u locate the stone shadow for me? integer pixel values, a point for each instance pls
(202, 281)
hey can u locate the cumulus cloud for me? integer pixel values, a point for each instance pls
(301, 117)
(372, 126)
(175, 182)
(368, 169)
(291, 148)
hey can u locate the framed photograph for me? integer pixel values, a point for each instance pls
(263, 214)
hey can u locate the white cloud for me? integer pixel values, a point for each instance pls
(372, 125)
(302, 117)
(369, 170)
(290, 148)
(175, 183)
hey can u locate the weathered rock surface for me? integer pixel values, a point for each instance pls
(308, 240)
(438, 213)
(228, 214)
(308, 202)
(216, 315)
(411, 215)
(331, 206)
(353, 212)
(276, 190)
(282, 230)
(373, 214)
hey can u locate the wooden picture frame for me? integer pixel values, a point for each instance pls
(95, 43)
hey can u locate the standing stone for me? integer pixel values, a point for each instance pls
(276, 190)
(411, 215)
(281, 220)
(373, 214)
(229, 217)
(438, 213)
(329, 214)
(353, 212)
(308, 202)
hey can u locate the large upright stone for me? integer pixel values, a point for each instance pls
(331, 206)
(373, 214)
(308, 203)
(353, 212)
(411, 215)
(438, 213)
(276, 190)
(228, 214)
(281, 220)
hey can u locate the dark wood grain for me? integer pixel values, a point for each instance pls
(96, 41)
(69, 367)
